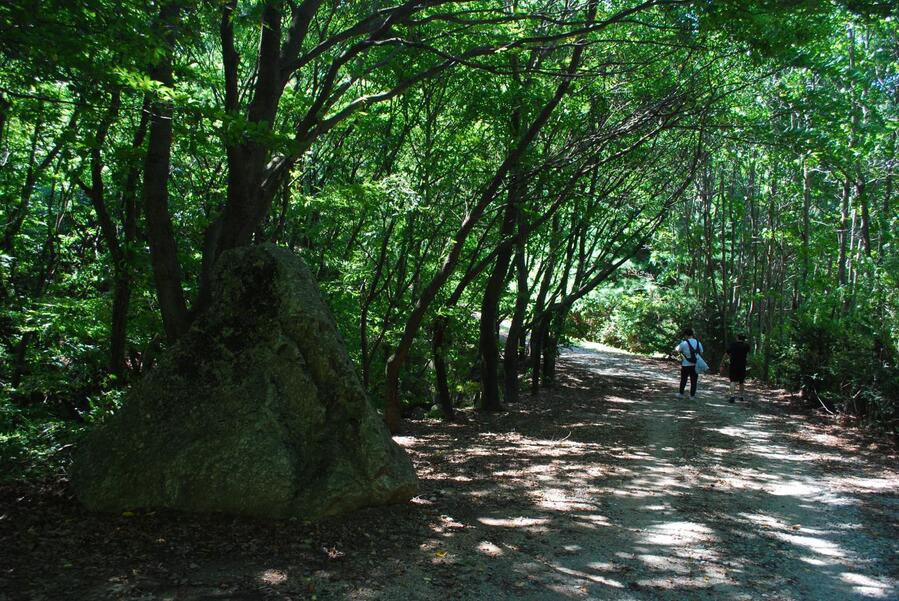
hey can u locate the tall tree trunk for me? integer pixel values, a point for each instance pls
(369, 293)
(886, 210)
(96, 191)
(438, 350)
(4, 109)
(844, 242)
(862, 198)
(252, 181)
(160, 233)
(515, 335)
(551, 344)
(538, 347)
(724, 199)
(488, 343)
(843, 233)
(806, 224)
(125, 268)
(541, 312)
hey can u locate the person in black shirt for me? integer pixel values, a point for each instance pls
(738, 350)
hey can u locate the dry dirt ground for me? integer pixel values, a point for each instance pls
(605, 487)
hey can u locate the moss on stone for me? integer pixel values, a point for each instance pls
(257, 410)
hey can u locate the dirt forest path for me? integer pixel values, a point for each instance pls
(605, 487)
(611, 487)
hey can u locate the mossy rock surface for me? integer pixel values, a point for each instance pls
(257, 410)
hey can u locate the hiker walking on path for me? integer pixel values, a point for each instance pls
(689, 348)
(737, 350)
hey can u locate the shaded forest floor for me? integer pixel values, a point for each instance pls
(606, 487)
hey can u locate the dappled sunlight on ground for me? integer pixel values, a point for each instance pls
(606, 486)
(628, 492)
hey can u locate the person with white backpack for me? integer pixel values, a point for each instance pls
(692, 364)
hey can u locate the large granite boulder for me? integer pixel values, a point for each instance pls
(257, 410)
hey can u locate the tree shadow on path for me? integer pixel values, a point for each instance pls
(606, 486)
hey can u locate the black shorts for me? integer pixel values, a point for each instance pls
(737, 373)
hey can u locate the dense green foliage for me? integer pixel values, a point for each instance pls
(444, 166)
(790, 235)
